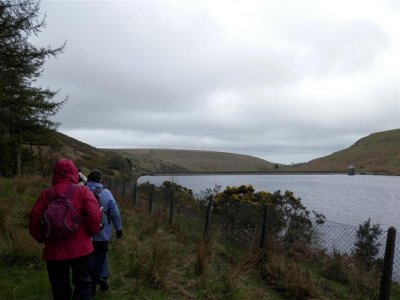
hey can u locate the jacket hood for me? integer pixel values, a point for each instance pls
(65, 171)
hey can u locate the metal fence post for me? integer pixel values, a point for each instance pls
(171, 208)
(386, 279)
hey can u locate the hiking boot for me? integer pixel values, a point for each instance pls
(103, 283)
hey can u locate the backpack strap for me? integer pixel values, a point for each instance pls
(97, 192)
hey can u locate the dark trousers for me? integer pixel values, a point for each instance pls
(59, 272)
(99, 259)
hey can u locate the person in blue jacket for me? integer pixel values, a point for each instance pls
(100, 240)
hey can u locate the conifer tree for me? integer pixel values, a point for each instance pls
(25, 110)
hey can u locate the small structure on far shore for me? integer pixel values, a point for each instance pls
(350, 170)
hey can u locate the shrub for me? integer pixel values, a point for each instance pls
(367, 245)
(289, 221)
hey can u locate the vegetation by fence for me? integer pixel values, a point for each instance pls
(342, 248)
(188, 257)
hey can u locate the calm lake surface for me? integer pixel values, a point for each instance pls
(341, 198)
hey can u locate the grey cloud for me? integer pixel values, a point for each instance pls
(147, 74)
(339, 46)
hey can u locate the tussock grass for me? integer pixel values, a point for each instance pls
(289, 277)
(19, 248)
(204, 253)
(17, 198)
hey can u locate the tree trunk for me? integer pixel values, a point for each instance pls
(19, 154)
(32, 161)
(41, 161)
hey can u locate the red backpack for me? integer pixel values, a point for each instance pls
(60, 218)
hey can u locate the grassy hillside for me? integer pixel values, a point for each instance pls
(78, 151)
(168, 160)
(378, 153)
(160, 160)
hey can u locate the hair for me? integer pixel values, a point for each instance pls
(95, 175)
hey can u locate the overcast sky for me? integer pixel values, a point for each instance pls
(286, 81)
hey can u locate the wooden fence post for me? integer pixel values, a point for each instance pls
(263, 241)
(208, 217)
(386, 279)
(151, 199)
(171, 208)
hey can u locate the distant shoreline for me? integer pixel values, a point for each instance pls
(260, 173)
(241, 173)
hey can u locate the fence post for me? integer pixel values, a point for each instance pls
(151, 199)
(263, 241)
(208, 217)
(135, 192)
(171, 208)
(386, 279)
(165, 202)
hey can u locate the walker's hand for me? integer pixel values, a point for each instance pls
(118, 233)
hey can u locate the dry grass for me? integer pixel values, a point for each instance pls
(17, 197)
(290, 278)
(204, 252)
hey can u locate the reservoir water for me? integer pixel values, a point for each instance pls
(341, 198)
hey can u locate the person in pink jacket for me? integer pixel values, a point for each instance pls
(72, 252)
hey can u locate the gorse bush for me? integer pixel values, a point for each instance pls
(367, 244)
(289, 221)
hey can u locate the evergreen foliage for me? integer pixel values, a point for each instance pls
(289, 220)
(25, 110)
(367, 244)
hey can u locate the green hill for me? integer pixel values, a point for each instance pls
(171, 160)
(378, 153)
(160, 160)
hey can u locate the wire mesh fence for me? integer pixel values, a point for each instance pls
(332, 236)
(243, 222)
